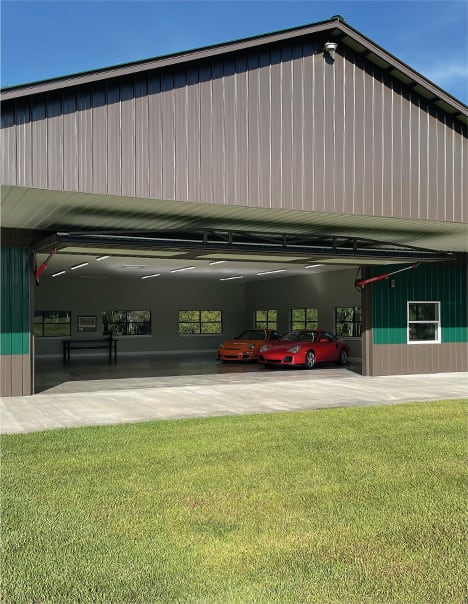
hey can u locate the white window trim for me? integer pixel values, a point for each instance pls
(437, 322)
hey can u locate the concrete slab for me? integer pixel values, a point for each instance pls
(107, 402)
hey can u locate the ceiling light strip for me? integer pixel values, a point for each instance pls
(151, 276)
(72, 268)
(185, 268)
(279, 270)
(231, 278)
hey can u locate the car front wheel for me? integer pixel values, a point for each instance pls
(310, 360)
(343, 357)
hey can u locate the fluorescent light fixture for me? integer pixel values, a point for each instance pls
(279, 270)
(151, 276)
(217, 262)
(72, 268)
(58, 274)
(102, 258)
(185, 268)
(312, 266)
(230, 278)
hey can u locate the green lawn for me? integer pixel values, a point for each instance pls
(358, 505)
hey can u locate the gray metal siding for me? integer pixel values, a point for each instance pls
(434, 358)
(278, 128)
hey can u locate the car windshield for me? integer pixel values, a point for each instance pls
(301, 336)
(252, 334)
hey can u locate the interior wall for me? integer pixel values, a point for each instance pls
(324, 290)
(164, 297)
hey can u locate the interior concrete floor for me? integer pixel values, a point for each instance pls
(87, 374)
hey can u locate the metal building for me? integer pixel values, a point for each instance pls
(309, 145)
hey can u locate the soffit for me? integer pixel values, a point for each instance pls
(55, 211)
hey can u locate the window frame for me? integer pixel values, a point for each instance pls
(353, 322)
(43, 323)
(127, 322)
(269, 324)
(436, 322)
(306, 323)
(201, 322)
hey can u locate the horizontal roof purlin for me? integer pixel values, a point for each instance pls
(335, 26)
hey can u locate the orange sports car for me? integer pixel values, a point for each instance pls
(245, 346)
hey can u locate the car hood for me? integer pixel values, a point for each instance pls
(242, 343)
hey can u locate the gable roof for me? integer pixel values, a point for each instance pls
(336, 27)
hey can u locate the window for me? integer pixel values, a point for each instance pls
(348, 321)
(266, 319)
(126, 322)
(304, 318)
(200, 322)
(49, 323)
(423, 322)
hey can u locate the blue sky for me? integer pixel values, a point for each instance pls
(42, 39)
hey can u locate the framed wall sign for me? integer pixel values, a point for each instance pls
(87, 323)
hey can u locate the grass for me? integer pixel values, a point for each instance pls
(358, 505)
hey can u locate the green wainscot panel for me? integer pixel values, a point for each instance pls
(444, 283)
(15, 321)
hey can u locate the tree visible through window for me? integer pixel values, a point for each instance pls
(304, 318)
(126, 322)
(49, 323)
(200, 322)
(266, 319)
(348, 321)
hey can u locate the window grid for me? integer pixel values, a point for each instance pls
(52, 323)
(303, 318)
(424, 322)
(200, 322)
(126, 322)
(266, 319)
(348, 321)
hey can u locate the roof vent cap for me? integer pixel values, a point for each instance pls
(338, 18)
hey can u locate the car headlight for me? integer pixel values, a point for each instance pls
(264, 348)
(251, 346)
(294, 349)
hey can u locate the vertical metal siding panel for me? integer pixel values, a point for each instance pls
(85, 152)
(414, 207)
(5, 362)
(205, 133)
(443, 209)
(23, 145)
(349, 138)
(242, 131)
(276, 128)
(181, 136)
(397, 151)
(141, 138)
(127, 97)
(168, 135)
(433, 167)
(406, 156)
(424, 190)
(297, 159)
(387, 144)
(359, 141)
(319, 133)
(379, 166)
(54, 143)
(366, 121)
(329, 137)
(8, 151)
(193, 136)
(218, 167)
(99, 139)
(230, 178)
(253, 130)
(39, 144)
(339, 158)
(264, 125)
(114, 140)
(155, 136)
(286, 127)
(70, 143)
(308, 75)
(454, 215)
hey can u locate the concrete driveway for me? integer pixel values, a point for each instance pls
(103, 402)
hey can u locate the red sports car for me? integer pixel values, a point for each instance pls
(304, 347)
